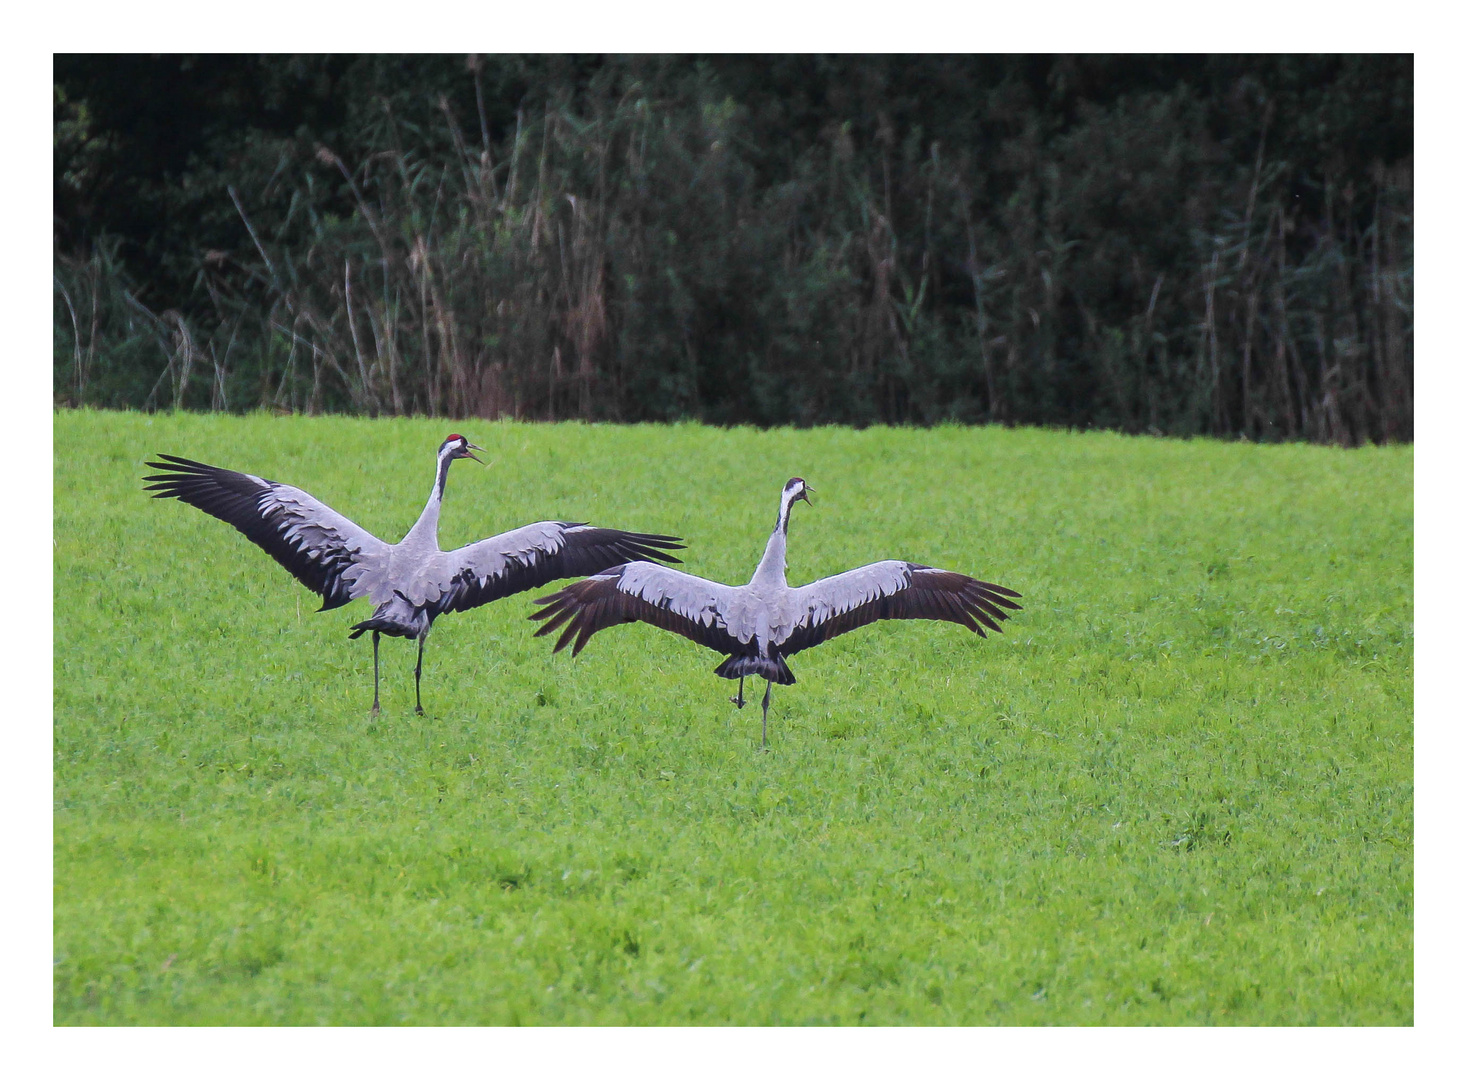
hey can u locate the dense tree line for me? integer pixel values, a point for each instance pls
(1217, 245)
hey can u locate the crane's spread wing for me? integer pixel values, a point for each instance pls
(536, 555)
(326, 552)
(694, 607)
(891, 590)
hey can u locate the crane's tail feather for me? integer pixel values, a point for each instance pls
(398, 617)
(772, 668)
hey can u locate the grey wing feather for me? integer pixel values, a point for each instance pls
(326, 552)
(529, 557)
(889, 590)
(696, 608)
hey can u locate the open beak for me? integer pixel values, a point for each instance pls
(806, 495)
(470, 452)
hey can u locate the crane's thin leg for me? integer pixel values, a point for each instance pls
(376, 675)
(418, 674)
(764, 745)
(739, 701)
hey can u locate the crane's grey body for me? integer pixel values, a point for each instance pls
(759, 624)
(409, 583)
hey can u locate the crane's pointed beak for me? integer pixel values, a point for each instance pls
(470, 452)
(806, 495)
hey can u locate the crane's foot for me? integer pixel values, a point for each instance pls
(419, 710)
(376, 710)
(739, 700)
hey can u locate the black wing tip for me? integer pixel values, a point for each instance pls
(659, 539)
(999, 589)
(174, 473)
(176, 463)
(655, 544)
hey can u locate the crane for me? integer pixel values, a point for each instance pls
(760, 624)
(412, 582)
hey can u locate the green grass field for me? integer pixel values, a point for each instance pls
(1178, 790)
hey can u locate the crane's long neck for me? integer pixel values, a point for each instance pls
(771, 567)
(426, 529)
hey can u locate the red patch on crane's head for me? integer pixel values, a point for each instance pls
(455, 438)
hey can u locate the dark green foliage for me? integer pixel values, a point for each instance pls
(1216, 245)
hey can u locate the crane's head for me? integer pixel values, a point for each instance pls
(456, 446)
(795, 490)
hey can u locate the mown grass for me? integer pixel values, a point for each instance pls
(1178, 790)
